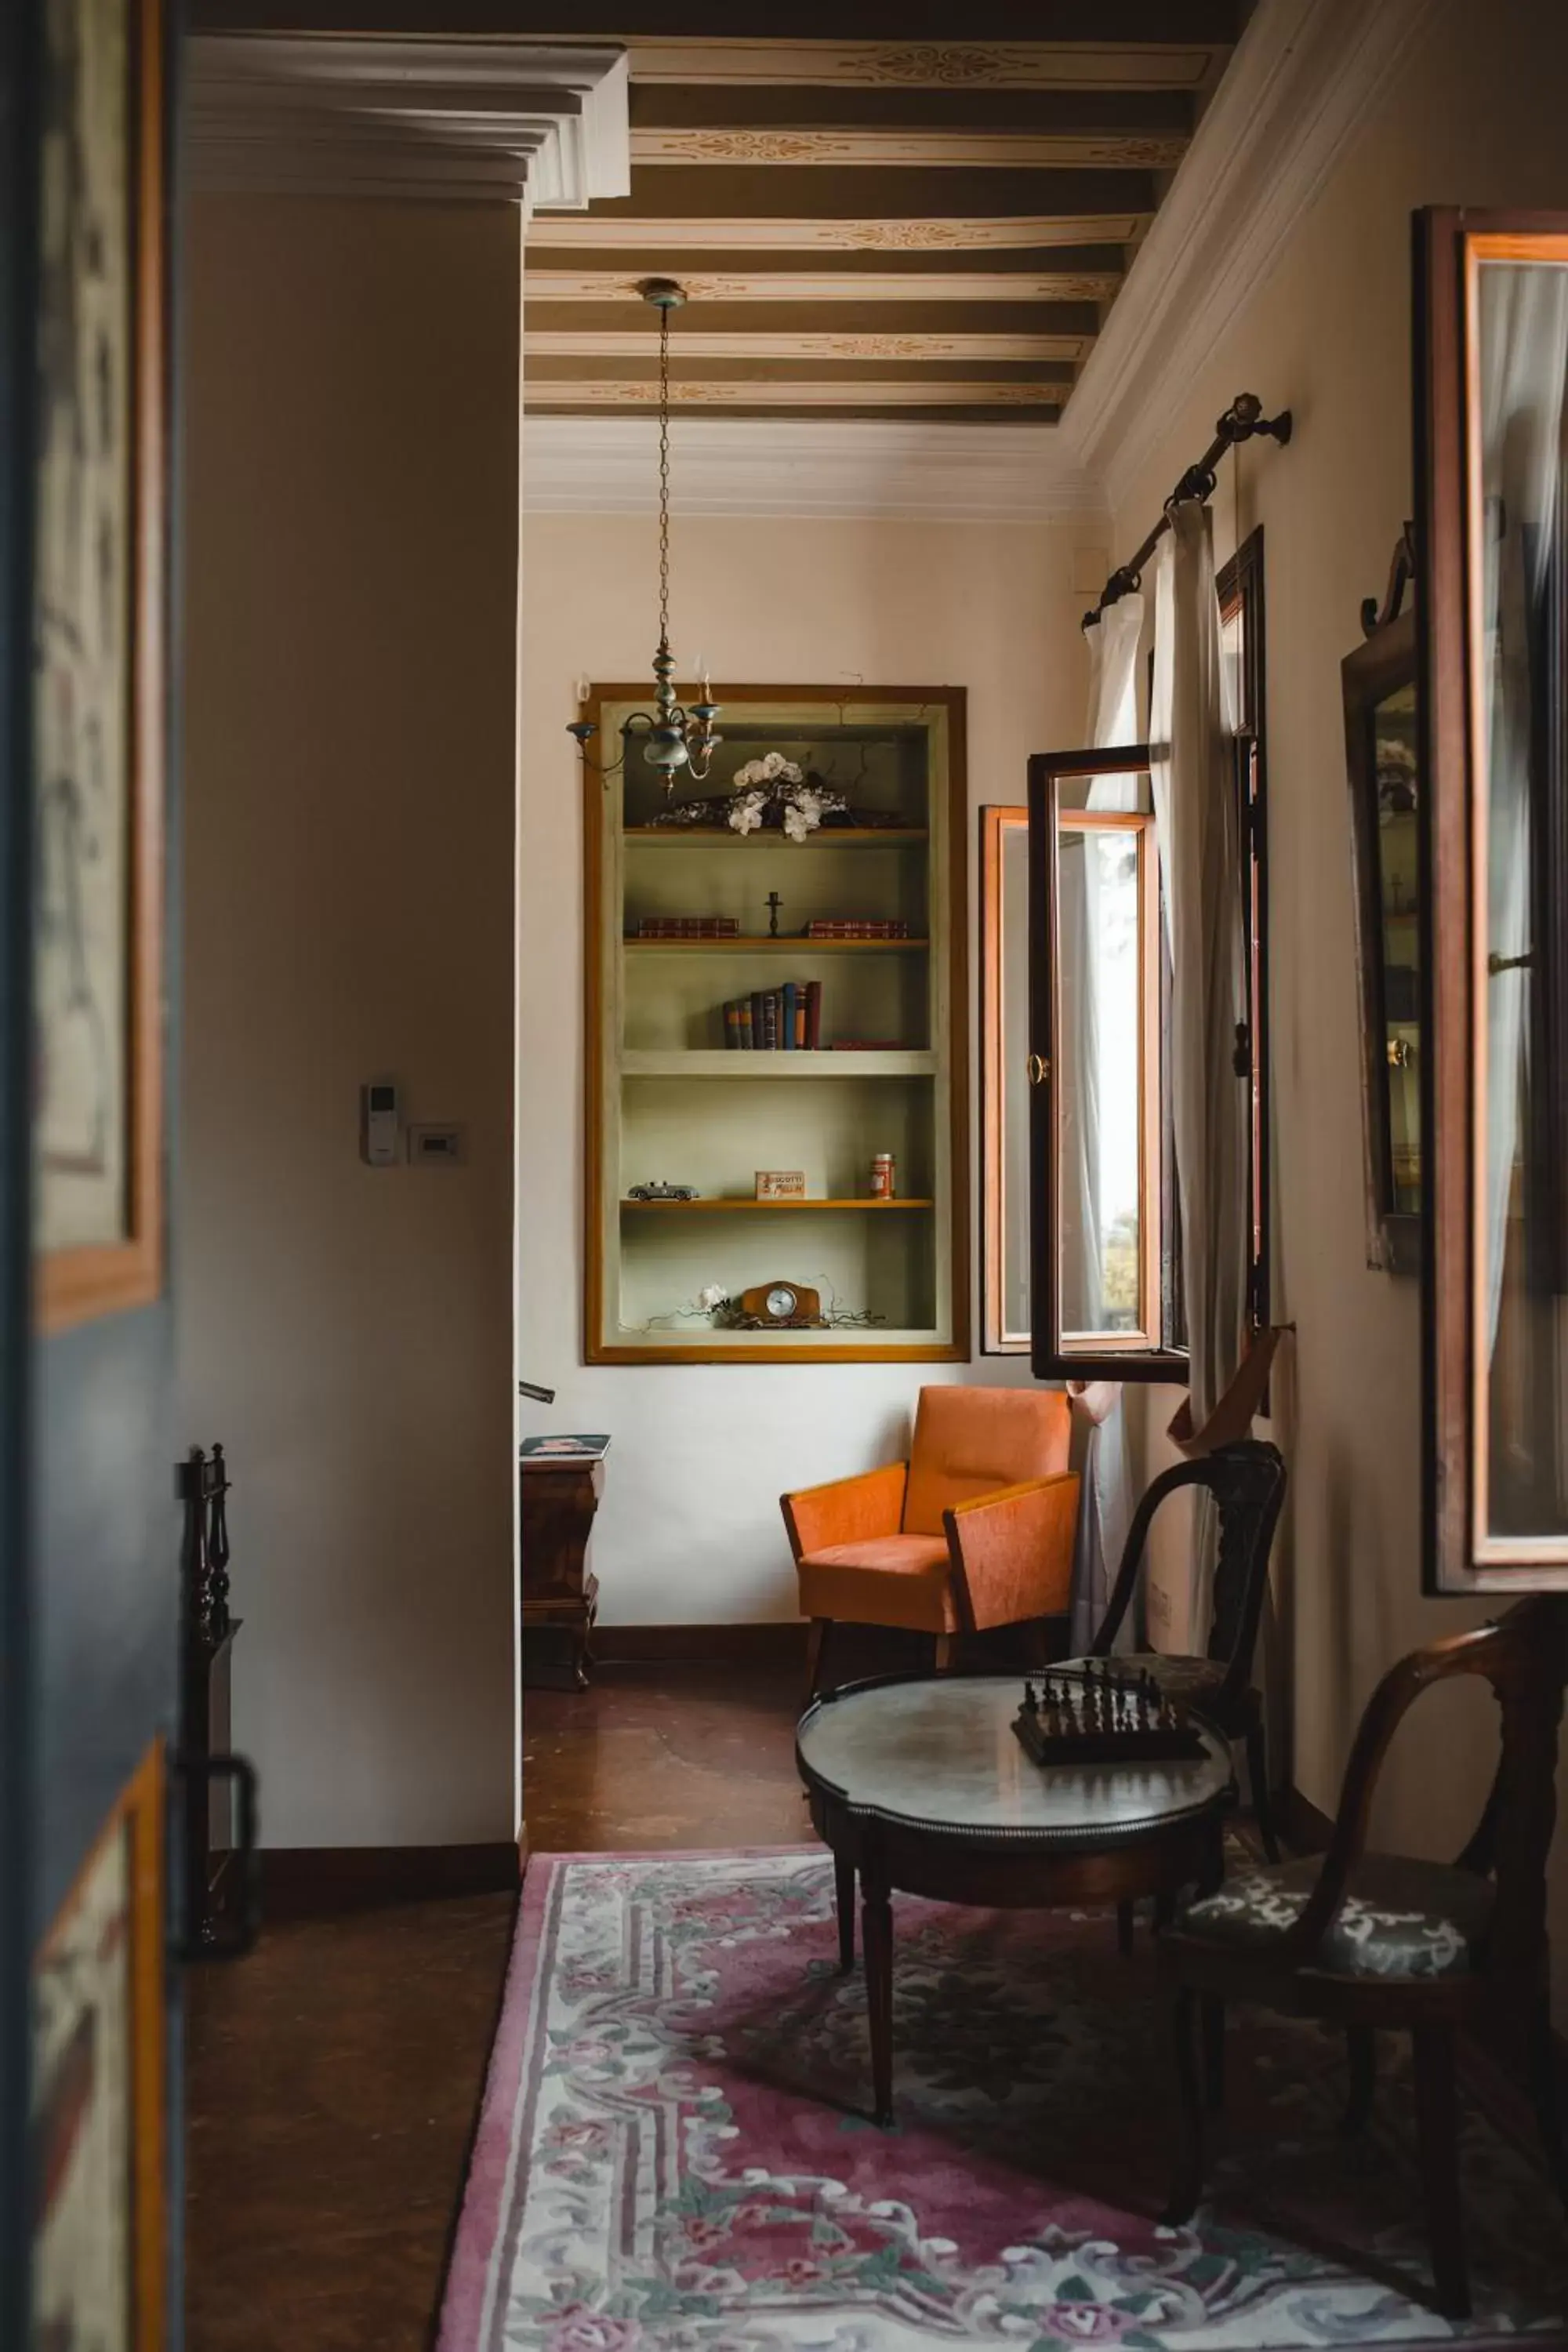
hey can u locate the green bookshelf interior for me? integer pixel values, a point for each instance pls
(670, 1099)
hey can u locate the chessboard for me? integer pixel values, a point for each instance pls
(1093, 1714)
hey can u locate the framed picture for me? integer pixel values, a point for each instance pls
(99, 2112)
(99, 633)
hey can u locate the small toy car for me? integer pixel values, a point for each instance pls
(663, 1191)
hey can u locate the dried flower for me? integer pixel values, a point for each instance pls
(711, 1295)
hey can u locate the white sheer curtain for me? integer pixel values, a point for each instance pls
(1192, 759)
(1523, 328)
(1105, 1509)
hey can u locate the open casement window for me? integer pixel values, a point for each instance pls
(1105, 1280)
(1106, 1274)
(1491, 293)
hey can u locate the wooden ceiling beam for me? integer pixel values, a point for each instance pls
(900, 25)
(886, 149)
(640, 371)
(695, 193)
(952, 401)
(666, 243)
(1083, 274)
(721, 106)
(1067, 323)
(879, 342)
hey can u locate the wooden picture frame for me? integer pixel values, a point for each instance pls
(1462, 1550)
(100, 2240)
(100, 716)
(1371, 676)
(937, 716)
(999, 825)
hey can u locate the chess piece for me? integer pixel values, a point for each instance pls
(1031, 1704)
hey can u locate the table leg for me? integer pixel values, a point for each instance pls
(877, 1930)
(844, 1903)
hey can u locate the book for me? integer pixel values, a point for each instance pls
(787, 1016)
(800, 1016)
(814, 1015)
(743, 1013)
(688, 926)
(771, 1019)
(759, 1020)
(733, 1027)
(560, 1453)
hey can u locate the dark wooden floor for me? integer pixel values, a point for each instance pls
(333, 2076)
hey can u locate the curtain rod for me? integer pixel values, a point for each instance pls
(1241, 420)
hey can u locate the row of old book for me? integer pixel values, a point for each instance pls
(773, 1020)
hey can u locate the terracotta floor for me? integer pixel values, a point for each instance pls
(333, 2076)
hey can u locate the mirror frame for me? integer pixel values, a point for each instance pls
(1459, 1554)
(1376, 668)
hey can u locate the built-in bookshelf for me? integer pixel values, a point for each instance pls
(682, 1092)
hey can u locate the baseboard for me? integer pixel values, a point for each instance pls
(649, 1645)
(309, 1882)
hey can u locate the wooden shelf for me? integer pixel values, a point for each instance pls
(761, 944)
(732, 1062)
(849, 836)
(723, 1203)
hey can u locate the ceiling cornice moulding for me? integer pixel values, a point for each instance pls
(545, 125)
(1304, 77)
(927, 473)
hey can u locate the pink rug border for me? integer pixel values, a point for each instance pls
(479, 2220)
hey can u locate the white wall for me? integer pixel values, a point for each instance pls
(349, 417)
(1476, 117)
(689, 1529)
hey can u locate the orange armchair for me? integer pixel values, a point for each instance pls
(976, 1529)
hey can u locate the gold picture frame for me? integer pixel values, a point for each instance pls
(101, 636)
(100, 2119)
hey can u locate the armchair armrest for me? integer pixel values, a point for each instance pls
(846, 1510)
(1012, 1551)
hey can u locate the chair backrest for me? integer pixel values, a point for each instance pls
(202, 1484)
(969, 1442)
(1248, 1483)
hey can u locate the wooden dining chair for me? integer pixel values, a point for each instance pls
(1248, 1483)
(1373, 1940)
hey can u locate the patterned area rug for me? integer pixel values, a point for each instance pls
(673, 2155)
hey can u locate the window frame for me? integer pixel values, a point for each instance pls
(997, 821)
(1140, 1355)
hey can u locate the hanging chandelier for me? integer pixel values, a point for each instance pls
(673, 735)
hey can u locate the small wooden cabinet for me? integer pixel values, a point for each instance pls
(674, 1099)
(560, 1591)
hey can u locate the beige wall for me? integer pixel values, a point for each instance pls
(1476, 118)
(689, 1529)
(350, 573)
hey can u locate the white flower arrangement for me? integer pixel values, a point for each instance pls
(771, 781)
(711, 1295)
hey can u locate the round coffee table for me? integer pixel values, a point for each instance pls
(919, 1786)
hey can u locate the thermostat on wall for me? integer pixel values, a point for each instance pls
(437, 1147)
(379, 1121)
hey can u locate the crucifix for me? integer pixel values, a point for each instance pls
(774, 903)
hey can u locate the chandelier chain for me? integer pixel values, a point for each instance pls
(664, 477)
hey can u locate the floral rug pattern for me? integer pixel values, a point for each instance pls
(674, 2155)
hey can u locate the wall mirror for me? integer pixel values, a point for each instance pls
(1492, 545)
(1378, 681)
